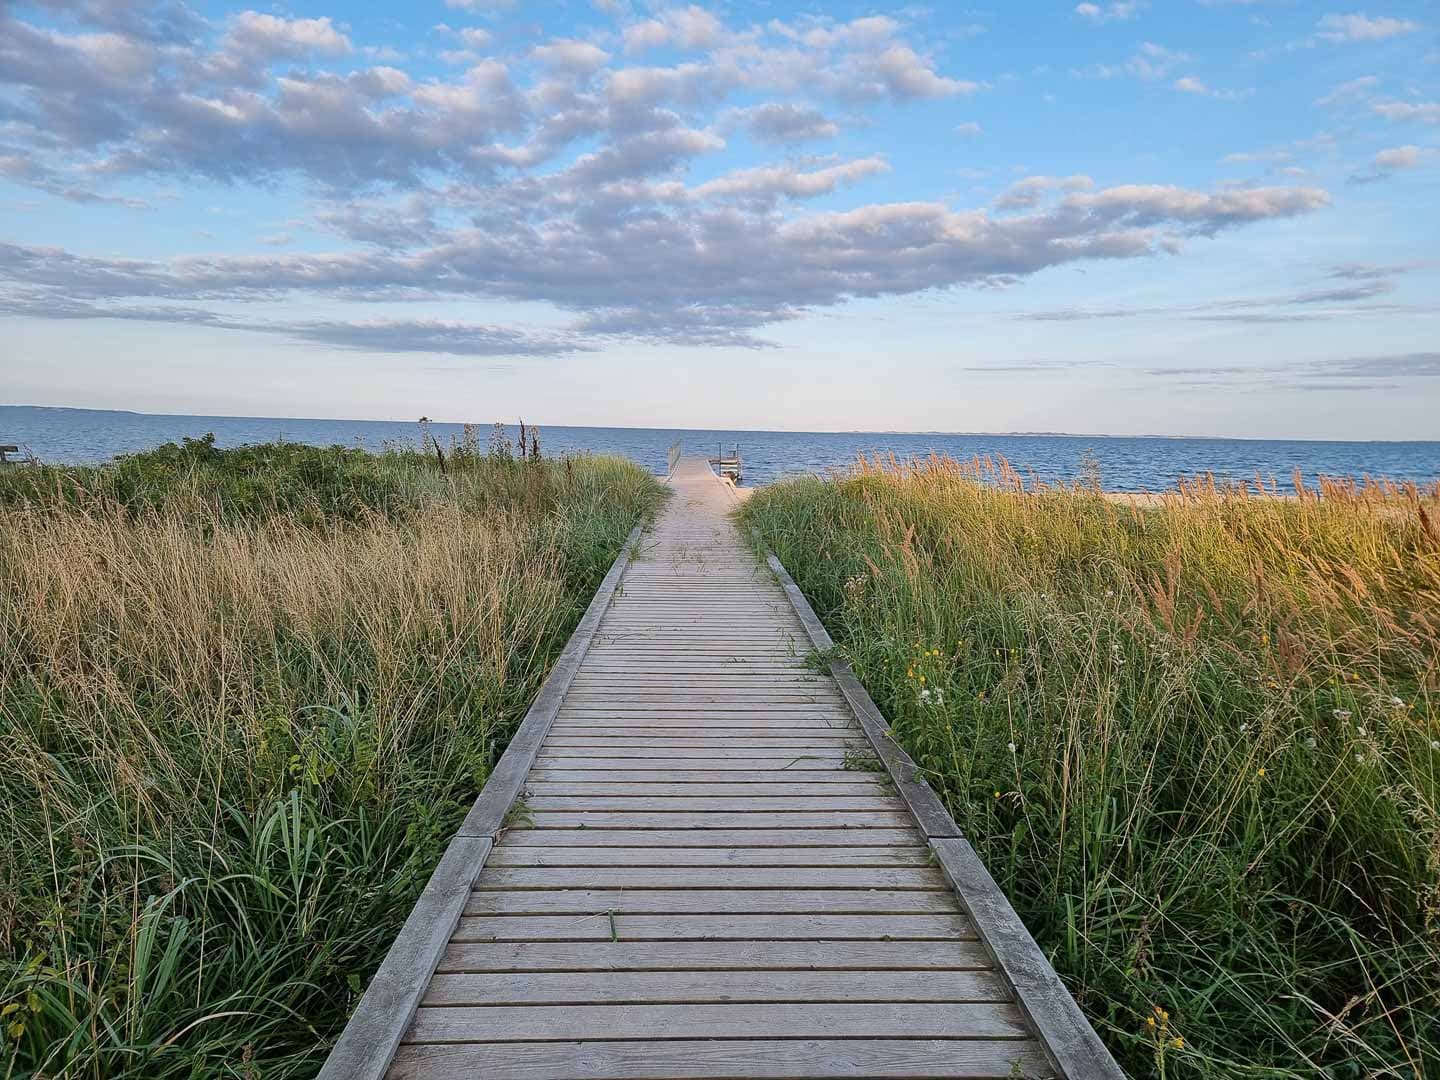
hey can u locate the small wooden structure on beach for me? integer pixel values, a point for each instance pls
(703, 856)
(727, 465)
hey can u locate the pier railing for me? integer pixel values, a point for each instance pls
(674, 454)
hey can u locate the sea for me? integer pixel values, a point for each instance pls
(1151, 463)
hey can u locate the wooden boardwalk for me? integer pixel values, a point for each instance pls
(713, 869)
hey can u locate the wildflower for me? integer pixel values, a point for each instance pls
(1260, 772)
(939, 697)
(1360, 758)
(1109, 592)
(924, 697)
(922, 680)
(1361, 731)
(1010, 747)
(1264, 639)
(1397, 703)
(1435, 744)
(1272, 684)
(997, 793)
(1244, 728)
(1341, 714)
(1178, 1043)
(980, 696)
(1310, 743)
(935, 652)
(1149, 1021)
(909, 673)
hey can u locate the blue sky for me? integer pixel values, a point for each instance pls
(1188, 217)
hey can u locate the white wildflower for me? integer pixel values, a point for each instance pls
(1310, 743)
(1435, 744)
(1341, 714)
(1360, 731)
(939, 697)
(924, 697)
(1397, 703)
(1011, 747)
(1360, 758)
(1244, 728)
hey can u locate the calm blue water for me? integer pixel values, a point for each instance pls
(1126, 464)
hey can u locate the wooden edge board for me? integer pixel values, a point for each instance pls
(371, 1036)
(929, 813)
(368, 1043)
(1068, 1037)
(1069, 1040)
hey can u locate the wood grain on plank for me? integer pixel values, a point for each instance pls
(739, 1059)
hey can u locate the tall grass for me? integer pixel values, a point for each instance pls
(245, 698)
(1198, 744)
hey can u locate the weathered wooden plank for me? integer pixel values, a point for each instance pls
(823, 730)
(603, 926)
(863, 784)
(714, 987)
(833, 835)
(599, 856)
(918, 1020)
(709, 754)
(632, 772)
(659, 819)
(670, 803)
(706, 1059)
(782, 763)
(688, 901)
(729, 955)
(713, 877)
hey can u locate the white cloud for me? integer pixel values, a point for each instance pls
(1350, 90)
(273, 37)
(969, 129)
(779, 122)
(770, 182)
(1189, 84)
(1400, 157)
(683, 28)
(1150, 62)
(1404, 111)
(1031, 191)
(1115, 11)
(1361, 27)
(576, 57)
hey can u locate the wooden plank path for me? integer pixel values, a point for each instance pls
(702, 857)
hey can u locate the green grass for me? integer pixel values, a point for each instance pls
(245, 698)
(1198, 745)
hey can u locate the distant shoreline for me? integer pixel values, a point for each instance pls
(742, 431)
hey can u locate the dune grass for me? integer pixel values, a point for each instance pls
(245, 698)
(1198, 744)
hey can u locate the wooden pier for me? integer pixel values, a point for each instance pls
(703, 857)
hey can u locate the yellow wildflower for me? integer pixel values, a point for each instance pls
(1178, 1043)
(1260, 771)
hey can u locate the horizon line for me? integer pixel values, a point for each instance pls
(756, 431)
